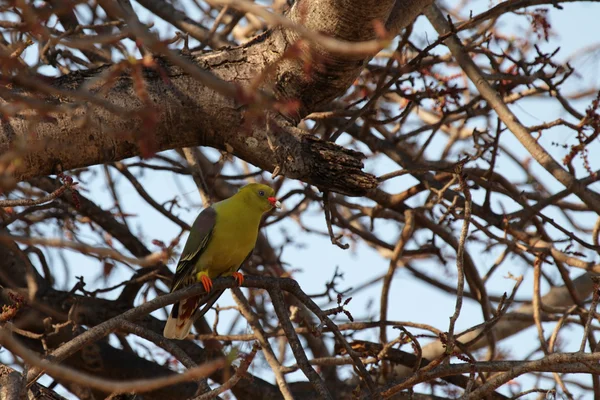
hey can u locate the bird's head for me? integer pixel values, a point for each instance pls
(260, 196)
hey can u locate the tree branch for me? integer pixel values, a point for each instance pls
(200, 116)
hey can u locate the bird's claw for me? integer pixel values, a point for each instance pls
(206, 282)
(239, 278)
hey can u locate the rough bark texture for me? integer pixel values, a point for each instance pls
(331, 74)
(187, 113)
(10, 385)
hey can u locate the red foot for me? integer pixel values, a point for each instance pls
(239, 277)
(206, 282)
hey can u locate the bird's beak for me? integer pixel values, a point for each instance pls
(274, 202)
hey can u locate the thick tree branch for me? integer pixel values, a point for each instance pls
(184, 112)
(10, 385)
(108, 386)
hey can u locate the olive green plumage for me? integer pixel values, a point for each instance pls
(221, 239)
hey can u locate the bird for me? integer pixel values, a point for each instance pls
(221, 239)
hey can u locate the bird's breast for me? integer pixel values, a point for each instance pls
(231, 242)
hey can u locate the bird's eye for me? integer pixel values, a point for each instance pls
(261, 193)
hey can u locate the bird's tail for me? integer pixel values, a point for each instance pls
(181, 318)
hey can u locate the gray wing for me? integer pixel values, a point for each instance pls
(200, 234)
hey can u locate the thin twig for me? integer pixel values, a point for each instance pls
(460, 255)
(231, 382)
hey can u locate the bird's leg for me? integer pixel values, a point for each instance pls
(239, 277)
(203, 277)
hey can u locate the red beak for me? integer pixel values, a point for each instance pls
(274, 202)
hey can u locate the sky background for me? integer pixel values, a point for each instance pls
(574, 28)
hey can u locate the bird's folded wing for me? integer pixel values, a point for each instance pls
(200, 234)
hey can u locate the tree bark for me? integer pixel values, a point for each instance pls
(184, 112)
(10, 385)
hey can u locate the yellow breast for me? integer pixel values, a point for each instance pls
(233, 238)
